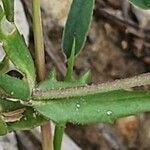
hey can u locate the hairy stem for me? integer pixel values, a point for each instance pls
(124, 84)
(59, 129)
(58, 136)
(40, 65)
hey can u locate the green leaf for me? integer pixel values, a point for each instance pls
(86, 77)
(52, 82)
(144, 4)
(77, 25)
(102, 107)
(1, 12)
(9, 9)
(4, 65)
(3, 127)
(7, 106)
(29, 117)
(30, 120)
(13, 87)
(17, 51)
(52, 74)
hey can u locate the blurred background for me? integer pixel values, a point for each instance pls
(118, 46)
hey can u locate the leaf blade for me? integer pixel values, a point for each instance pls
(4, 65)
(144, 4)
(13, 87)
(3, 127)
(30, 118)
(17, 51)
(103, 107)
(9, 9)
(77, 25)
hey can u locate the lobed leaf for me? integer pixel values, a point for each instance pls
(144, 4)
(102, 107)
(77, 25)
(52, 82)
(17, 51)
(9, 9)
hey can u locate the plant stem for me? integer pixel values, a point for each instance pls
(59, 129)
(47, 139)
(38, 40)
(40, 65)
(123, 84)
(58, 136)
(71, 60)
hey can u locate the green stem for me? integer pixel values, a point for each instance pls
(58, 136)
(40, 65)
(38, 40)
(59, 129)
(123, 84)
(71, 60)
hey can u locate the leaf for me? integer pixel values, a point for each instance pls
(52, 74)
(3, 127)
(1, 12)
(103, 107)
(52, 82)
(17, 51)
(144, 4)
(30, 118)
(4, 65)
(49, 84)
(128, 83)
(9, 9)
(13, 87)
(7, 106)
(86, 77)
(77, 25)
